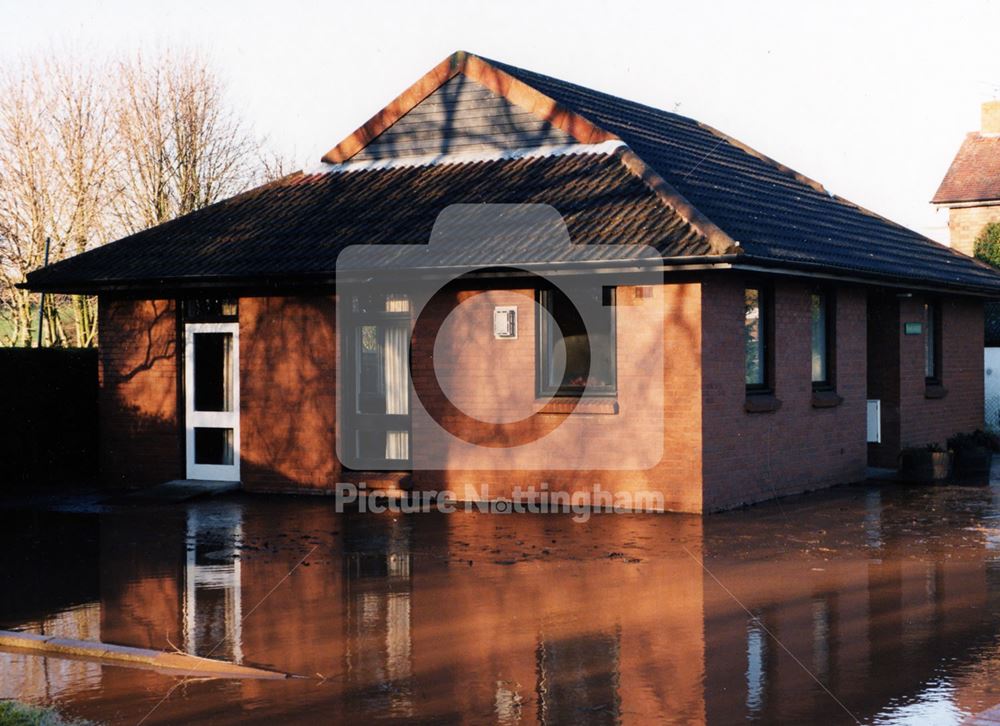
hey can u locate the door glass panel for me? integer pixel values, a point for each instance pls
(383, 354)
(212, 376)
(371, 444)
(213, 446)
(397, 390)
(397, 445)
(388, 445)
(371, 381)
(381, 378)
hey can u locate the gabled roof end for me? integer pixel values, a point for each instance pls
(482, 72)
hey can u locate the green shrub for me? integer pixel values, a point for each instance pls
(14, 713)
(988, 244)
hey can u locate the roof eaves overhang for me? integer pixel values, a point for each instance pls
(846, 275)
(961, 203)
(284, 284)
(329, 279)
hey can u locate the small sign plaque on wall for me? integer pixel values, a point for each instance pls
(913, 328)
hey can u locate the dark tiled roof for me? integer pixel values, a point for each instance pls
(974, 174)
(298, 225)
(296, 228)
(776, 215)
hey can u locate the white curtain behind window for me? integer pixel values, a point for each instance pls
(397, 389)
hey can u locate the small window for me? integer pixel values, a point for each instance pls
(378, 302)
(572, 356)
(756, 337)
(932, 341)
(822, 313)
(211, 310)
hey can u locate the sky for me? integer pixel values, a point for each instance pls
(871, 99)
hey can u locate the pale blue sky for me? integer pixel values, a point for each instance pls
(870, 99)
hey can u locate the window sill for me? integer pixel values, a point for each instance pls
(935, 390)
(826, 399)
(568, 405)
(761, 403)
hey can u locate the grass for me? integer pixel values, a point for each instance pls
(15, 713)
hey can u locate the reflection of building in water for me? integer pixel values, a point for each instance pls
(31, 678)
(993, 532)
(212, 606)
(757, 646)
(578, 679)
(508, 703)
(379, 646)
(907, 630)
(873, 518)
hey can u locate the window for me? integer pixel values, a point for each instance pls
(573, 356)
(211, 310)
(822, 313)
(757, 316)
(932, 341)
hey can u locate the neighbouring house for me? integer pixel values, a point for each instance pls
(803, 337)
(970, 191)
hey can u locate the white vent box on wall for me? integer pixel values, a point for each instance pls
(505, 321)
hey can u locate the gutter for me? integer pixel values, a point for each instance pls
(859, 278)
(326, 278)
(675, 265)
(966, 203)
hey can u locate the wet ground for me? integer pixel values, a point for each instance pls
(879, 604)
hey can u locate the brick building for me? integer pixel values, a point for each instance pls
(712, 333)
(970, 190)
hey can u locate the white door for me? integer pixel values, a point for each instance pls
(212, 400)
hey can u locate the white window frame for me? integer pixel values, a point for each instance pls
(211, 419)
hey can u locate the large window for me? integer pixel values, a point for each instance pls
(932, 341)
(572, 356)
(756, 337)
(822, 313)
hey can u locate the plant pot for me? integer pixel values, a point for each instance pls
(973, 462)
(924, 467)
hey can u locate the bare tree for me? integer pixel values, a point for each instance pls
(56, 163)
(26, 189)
(92, 151)
(182, 146)
(83, 143)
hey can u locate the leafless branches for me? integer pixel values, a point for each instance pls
(91, 152)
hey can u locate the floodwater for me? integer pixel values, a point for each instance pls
(867, 603)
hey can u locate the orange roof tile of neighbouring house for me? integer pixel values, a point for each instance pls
(974, 174)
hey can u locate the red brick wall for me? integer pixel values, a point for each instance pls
(755, 456)
(288, 351)
(139, 422)
(475, 366)
(715, 454)
(923, 420)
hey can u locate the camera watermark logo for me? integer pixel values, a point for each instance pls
(500, 345)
